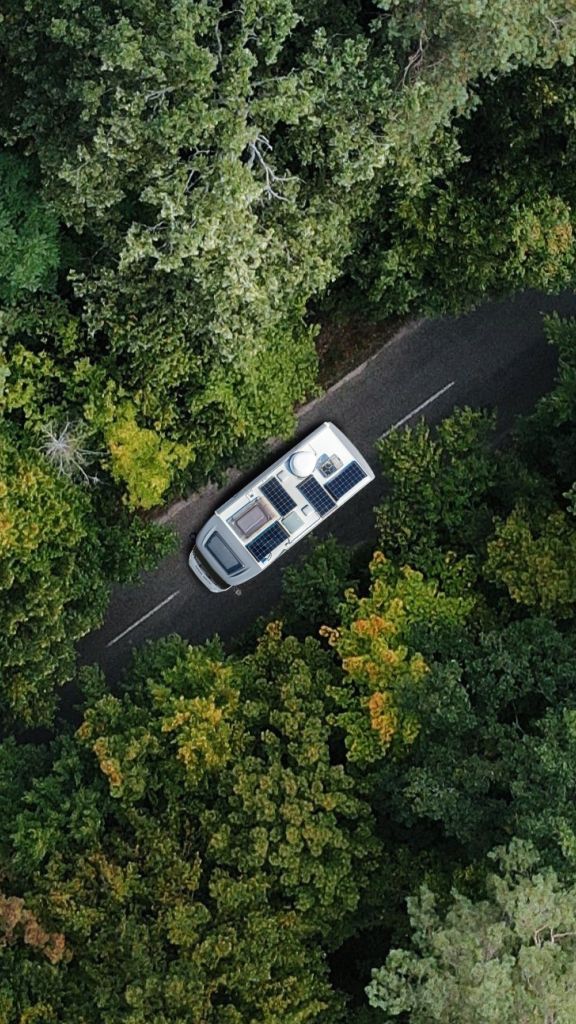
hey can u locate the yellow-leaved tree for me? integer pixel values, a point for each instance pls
(388, 641)
(142, 459)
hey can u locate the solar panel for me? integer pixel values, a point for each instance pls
(266, 541)
(277, 496)
(351, 475)
(316, 495)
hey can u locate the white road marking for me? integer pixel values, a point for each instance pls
(143, 619)
(418, 409)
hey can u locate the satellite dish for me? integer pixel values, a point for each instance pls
(302, 463)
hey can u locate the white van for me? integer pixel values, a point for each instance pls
(278, 508)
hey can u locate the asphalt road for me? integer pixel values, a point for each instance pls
(495, 357)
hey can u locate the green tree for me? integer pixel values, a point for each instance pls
(500, 220)
(537, 566)
(437, 513)
(53, 591)
(506, 958)
(142, 460)
(313, 589)
(57, 559)
(194, 843)
(386, 642)
(494, 751)
(214, 168)
(547, 438)
(29, 248)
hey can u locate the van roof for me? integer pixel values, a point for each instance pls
(316, 475)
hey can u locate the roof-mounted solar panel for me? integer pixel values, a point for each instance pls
(316, 495)
(277, 496)
(339, 485)
(267, 541)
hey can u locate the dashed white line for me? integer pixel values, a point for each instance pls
(143, 619)
(419, 408)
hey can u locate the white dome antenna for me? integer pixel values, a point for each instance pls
(302, 463)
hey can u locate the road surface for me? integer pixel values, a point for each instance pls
(495, 356)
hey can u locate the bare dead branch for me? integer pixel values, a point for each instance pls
(556, 23)
(64, 449)
(415, 60)
(159, 94)
(257, 150)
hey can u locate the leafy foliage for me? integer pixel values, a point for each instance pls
(484, 716)
(506, 958)
(50, 596)
(538, 571)
(207, 845)
(313, 589)
(437, 515)
(141, 459)
(54, 576)
(547, 440)
(198, 175)
(501, 219)
(29, 249)
(211, 171)
(379, 644)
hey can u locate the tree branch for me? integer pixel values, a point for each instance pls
(257, 149)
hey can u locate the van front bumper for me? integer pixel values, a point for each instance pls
(204, 577)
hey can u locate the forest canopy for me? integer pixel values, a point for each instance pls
(388, 804)
(186, 191)
(194, 176)
(379, 780)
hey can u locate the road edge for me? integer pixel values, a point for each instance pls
(173, 510)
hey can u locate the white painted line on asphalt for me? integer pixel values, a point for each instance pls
(143, 619)
(419, 408)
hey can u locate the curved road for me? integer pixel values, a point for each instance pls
(495, 356)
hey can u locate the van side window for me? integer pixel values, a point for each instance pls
(223, 554)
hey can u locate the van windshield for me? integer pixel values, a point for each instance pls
(223, 554)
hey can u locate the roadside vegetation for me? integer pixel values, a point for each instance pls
(375, 794)
(365, 812)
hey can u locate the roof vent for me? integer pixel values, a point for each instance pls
(302, 463)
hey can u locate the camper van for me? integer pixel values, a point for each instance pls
(266, 518)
